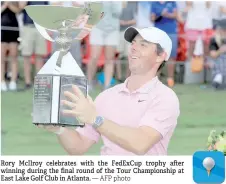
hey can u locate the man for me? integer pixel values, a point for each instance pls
(137, 117)
(32, 42)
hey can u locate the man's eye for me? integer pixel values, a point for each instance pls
(143, 45)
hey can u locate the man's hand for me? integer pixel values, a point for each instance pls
(81, 107)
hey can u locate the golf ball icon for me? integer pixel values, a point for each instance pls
(208, 164)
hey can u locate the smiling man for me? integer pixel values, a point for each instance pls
(137, 117)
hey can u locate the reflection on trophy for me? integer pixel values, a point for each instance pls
(61, 70)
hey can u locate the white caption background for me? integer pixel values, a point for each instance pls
(96, 169)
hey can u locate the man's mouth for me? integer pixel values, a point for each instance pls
(134, 57)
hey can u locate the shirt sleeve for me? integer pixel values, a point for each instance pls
(88, 131)
(162, 115)
(213, 45)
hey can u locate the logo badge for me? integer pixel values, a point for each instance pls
(141, 100)
(208, 167)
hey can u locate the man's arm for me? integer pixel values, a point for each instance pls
(74, 143)
(159, 119)
(136, 140)
(154, 125)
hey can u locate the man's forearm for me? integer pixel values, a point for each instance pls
(131, 139)
(72, 142)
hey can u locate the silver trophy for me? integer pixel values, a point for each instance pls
(61, 70)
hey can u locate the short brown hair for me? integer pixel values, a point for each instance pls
(159, 52)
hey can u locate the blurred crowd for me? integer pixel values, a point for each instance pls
(104, 49)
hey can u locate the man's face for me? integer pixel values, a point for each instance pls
(142, 56)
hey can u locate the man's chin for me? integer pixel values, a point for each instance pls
(135, 71)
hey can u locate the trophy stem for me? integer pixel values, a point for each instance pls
(60, 58)
(64, 41)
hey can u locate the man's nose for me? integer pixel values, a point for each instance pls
(134, 47)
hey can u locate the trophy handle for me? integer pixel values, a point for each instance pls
(43, 32)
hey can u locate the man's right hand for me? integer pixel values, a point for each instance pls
(72, 142)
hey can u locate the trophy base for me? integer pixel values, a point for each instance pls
(59, 124)
(48, 93)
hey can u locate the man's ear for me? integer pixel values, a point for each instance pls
(161, 58)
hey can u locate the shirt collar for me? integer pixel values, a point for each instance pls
(146, 88)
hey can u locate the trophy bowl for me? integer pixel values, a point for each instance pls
(52, 16)
(61, 71)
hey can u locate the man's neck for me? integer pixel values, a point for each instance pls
(137, 81)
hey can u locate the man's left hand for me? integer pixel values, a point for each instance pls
(81, 107)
